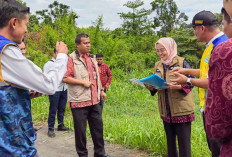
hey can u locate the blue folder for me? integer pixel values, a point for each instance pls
(155, 81)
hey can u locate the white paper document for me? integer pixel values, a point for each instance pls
(135, 80)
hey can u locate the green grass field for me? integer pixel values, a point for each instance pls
(131, 117)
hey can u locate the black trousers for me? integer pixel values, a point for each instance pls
(94, 117)
(183, 133)
(57, 105)
(213, 145)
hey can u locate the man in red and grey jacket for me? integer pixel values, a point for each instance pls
(105, 74)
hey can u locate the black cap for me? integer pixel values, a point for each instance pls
(205, 18)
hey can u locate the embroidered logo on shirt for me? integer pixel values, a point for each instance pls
(172, 67)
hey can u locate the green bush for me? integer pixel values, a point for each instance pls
(131, 117)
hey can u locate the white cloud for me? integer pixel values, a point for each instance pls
(89, 10)
(191, 7)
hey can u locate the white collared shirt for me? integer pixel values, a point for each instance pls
(22, 73)
(215, 37)
(47, 67)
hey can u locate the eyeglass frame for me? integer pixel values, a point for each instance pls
(162, 50)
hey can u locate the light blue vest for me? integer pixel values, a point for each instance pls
(17, 134)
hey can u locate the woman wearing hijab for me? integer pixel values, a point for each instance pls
(176, 105)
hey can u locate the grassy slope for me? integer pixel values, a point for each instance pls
(131, 118)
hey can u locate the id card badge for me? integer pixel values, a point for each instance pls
(94, 75)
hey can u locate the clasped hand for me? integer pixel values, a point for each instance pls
(179, 74)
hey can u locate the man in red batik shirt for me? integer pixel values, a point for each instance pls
(105, 74)
(84, 92)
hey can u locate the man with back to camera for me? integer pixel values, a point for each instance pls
(17, 75)
(218, 113)
(84, 92)
(105, 75)
(57, 102)
(206, 29)
(33, 94)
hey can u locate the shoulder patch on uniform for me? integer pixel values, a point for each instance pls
(172, 67)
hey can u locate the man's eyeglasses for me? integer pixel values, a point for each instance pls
(160, 50)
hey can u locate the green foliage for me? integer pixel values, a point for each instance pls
(130, 113)
(188, 46)
(37, 57)
(121, 50)
(136, 22)
(33, 22)
(167, 16)
(57, 11)
(43, 37)
(219, 17)
(131, 117)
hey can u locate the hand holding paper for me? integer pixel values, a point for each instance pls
(155, 81)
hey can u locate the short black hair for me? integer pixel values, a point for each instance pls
(99, 55)
(54, 51)
(11, 9)
(226, 16)
(212, 27)
(79, 36)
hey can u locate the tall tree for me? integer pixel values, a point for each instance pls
(56, 11)
(188, 46)
(97, 36)
(167, 17)
(135, 22)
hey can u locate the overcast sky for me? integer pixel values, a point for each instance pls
(90, 10)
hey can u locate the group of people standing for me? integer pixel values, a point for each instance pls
(84, 85)
(80, 71)
(86, 91)
(214, 79)
(59, 99)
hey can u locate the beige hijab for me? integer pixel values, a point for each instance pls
(171, 48)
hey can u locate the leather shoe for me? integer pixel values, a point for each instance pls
(62, 128)
(51, 133)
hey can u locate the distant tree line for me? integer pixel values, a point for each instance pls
(129, 47)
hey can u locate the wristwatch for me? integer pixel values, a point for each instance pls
(189, 82)
(102, 89)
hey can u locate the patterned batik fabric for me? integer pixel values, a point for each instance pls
(218, 110)
(17, 135)
(91, 68)
(105, 75)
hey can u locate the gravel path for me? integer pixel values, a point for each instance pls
(63, 145)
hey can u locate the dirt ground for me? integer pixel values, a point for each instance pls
(63, 145)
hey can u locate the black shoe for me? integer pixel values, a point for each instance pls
(62, 128)
(51, 133)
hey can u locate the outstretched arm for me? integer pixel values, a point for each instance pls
(185, 71)
(182, 79)
(16, 69)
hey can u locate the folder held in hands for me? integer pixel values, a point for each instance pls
(155, 81)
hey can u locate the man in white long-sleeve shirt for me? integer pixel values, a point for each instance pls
(17, 75)
(57, 102)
